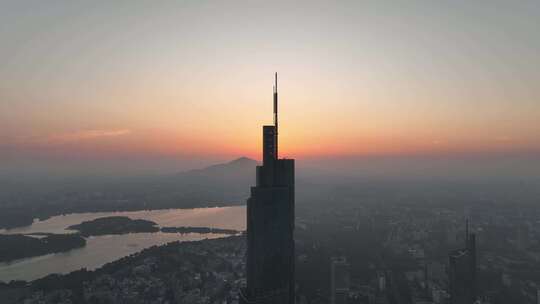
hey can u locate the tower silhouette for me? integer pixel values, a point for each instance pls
(270, 225)
(462, 271)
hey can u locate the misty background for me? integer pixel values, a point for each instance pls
(368, 89)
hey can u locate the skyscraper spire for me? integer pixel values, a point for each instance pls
(276, 116)
(270, 226)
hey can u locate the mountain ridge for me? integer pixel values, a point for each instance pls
(238, 163)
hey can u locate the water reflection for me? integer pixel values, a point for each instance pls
(219, 217)
(103, 249)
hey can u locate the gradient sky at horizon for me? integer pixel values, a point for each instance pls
(190, 82)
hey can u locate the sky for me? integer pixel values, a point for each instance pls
(159, 86)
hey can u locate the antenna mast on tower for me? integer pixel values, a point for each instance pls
(276, 116)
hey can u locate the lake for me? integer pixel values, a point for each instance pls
(100, 250)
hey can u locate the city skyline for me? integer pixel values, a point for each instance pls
(143, 160)
(270, 217)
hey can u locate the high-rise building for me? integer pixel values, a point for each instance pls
(523, 239)
(339, 280)
(462, 272)
(270, 225)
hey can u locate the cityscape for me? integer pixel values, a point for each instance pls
(401, 164)
(416, 247)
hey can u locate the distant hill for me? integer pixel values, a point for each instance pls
(224, 184)
(242, 168)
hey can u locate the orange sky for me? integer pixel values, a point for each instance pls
(194, 80)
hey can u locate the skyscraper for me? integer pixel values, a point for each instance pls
(339, 280)
(270, 225)
(462, 272)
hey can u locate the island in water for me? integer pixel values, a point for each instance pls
(124, 224)
(18, 246)
(114, 225)
(201, 230)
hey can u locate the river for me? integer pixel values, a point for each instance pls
(100, 250)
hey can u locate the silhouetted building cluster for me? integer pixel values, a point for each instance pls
(270, 226)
